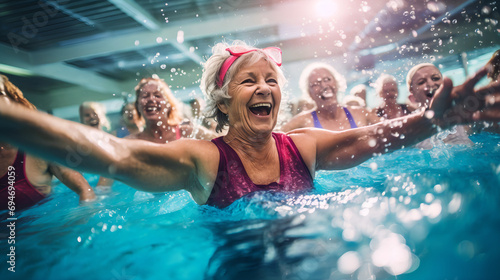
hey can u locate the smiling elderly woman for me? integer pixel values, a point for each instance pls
(243, 87)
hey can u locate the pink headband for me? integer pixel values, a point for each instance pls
(237, 51)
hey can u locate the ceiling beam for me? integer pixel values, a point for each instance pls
(136, 12)
(59, 71)
(251, 19)
(143, 17)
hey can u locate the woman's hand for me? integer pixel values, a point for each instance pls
(463, 104)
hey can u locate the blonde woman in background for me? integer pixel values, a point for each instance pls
(94, 114)
(162, 114)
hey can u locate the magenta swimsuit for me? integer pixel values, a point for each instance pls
(232, 180)
(26, 195)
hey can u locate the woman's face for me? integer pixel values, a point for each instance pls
(322, 87)
(90, 117)
(424, 84)
(152, 103)
(130, 115)
(255, 99)
(389, 90)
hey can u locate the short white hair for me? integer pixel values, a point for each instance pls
(357, 89)
(384, 78)
(414, 70)
(219, 95)
(304, 79)
(353, 99)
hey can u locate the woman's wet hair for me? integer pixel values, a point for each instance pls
(174, 115)
(219, 95)
(304, 79)
(14, 93)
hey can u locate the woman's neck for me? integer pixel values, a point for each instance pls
(251, 145)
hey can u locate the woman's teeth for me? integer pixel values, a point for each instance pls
(261, 109)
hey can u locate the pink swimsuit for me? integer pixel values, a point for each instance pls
(26, 195)
(232, 181)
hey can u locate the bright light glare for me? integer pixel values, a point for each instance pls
(349, 262)
(325, 8)
(392, 254)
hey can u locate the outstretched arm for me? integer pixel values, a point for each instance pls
(73, 180)
(143, 165)
(450, 106)
(332, 150)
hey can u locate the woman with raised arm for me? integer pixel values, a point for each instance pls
(243, 87)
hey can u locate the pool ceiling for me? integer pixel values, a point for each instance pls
(66, 51)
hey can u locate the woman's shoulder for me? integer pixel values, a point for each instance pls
(303, 119)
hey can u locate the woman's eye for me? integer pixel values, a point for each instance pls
(272, 81)
(247, 81)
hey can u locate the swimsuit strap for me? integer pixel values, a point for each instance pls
(317, 124)
(177, 132)
(350, 118)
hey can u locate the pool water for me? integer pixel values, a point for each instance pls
(411, 214)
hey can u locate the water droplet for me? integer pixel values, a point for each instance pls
(180, 36)
(429, 114)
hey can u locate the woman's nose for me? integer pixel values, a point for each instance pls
(263, 89)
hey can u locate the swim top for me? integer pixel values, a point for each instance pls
(26, 195)
(317, 124)
(232, 180)
(177, 132)
(122, 132)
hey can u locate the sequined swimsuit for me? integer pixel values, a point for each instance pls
(233, 182)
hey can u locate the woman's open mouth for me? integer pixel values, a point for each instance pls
(261, 109)
(430, 94)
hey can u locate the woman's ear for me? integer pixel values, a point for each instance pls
(222, 107)
(411, 97)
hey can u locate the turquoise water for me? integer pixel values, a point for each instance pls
(412, 214)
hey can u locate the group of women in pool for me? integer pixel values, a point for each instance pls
(242, 86)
